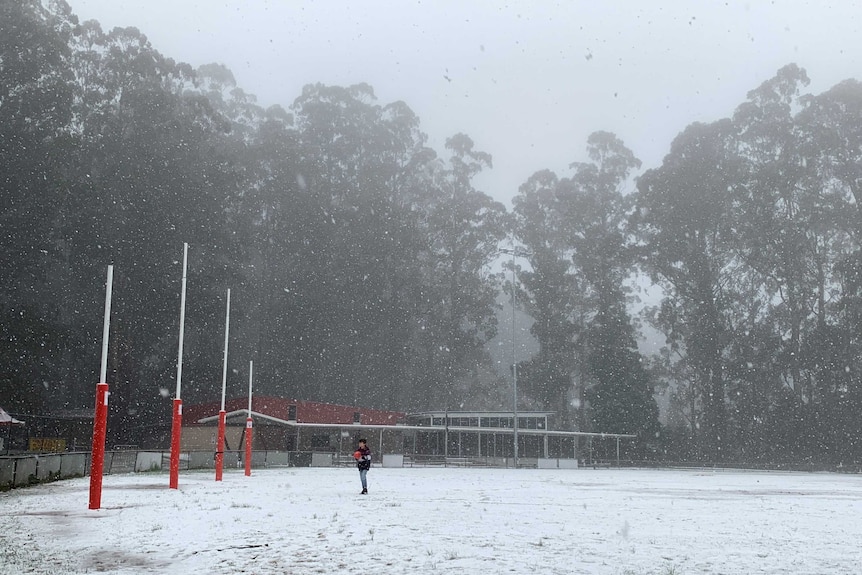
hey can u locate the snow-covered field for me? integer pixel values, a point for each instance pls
(439, 520)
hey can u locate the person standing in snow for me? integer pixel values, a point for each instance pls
(363, 463)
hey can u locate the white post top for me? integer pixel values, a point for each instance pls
(224, 366)
(103, 372)
(182, 322)
(250, 371)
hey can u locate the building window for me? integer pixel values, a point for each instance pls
(357, 417)
(291, 413)
(527, 422)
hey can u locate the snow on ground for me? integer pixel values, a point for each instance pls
(440, 520)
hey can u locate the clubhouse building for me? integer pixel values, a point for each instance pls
(283, 424)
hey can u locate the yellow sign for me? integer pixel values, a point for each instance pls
(47, 444)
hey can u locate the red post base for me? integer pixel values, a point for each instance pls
(176, 431)
(219, 455)
(248, 432)
(100, 428)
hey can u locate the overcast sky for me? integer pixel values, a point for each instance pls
(527, 81)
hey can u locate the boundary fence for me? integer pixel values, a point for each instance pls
(30, 469)
(22, 470)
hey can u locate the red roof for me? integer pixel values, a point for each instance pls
(306, 411)
(8, 420)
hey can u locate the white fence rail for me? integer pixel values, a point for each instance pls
(30, 469)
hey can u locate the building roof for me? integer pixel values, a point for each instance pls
(306, 411)
(442, 413)
(6, 419)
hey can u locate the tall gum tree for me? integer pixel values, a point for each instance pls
(357, 256)
(776, 238)
(465, 226)
(684, 229)
(550, 295)
(830, 128)
(620, 390)
(35, 115)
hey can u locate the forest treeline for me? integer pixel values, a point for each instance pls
(364, 265)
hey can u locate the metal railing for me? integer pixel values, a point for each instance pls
(26, 469)
(33, 468)
(30, 469)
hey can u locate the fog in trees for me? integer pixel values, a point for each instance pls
(366, 265)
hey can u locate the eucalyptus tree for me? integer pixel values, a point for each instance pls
(464, 227)
(268, 216)
(35, 115)
(797, 229)
(552, 295)
(359, 247)
(153, 170)
(684, 224)
(830, 128)
(620, 391)
(778, 209)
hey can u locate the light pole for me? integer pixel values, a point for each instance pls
(523, 254)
